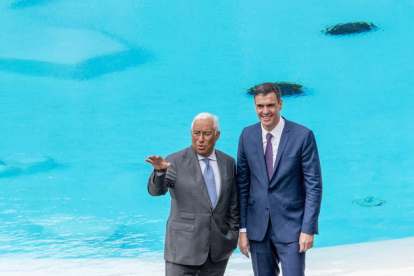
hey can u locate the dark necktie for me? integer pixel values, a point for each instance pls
(210, 181)
(269, 155)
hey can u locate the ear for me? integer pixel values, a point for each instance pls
(281, 104)
(217, 135)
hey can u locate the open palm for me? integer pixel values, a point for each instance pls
(158, 162)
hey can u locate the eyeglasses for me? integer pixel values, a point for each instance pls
(206, 134)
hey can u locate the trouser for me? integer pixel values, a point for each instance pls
(267, 254)
(209, 268)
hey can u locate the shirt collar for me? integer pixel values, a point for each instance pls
(211, 157)
(277, 131)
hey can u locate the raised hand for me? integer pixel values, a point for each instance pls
(158, 162)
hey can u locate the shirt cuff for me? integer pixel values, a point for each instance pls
(159, 173)
(242, 230)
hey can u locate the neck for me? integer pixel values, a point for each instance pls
(272, 127)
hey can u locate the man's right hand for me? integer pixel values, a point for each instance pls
(159, 164)
(244, 244)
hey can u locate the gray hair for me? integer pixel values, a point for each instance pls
(207, 116)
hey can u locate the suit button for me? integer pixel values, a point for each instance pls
(267, 209)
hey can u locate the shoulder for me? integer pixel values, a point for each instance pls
(251, 128)
(300, 133)
(178, 155)
(224, 156)
(297, 128)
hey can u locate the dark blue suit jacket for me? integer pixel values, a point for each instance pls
(292, 198)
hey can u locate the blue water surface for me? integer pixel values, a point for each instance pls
(88, 89)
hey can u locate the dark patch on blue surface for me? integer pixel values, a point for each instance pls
(21, 4)
(369, 201)
(350, 28)
(287, 89)
(85, 70)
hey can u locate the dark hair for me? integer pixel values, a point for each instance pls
(266, 88)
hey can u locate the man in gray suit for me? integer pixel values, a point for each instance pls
(202, 229)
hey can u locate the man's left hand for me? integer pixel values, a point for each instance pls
(305, 242)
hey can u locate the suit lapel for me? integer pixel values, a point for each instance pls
(283, 142)
(258, 144)
(194, 167)
(223, 175)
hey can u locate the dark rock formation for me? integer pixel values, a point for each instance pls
(287, 88)
(350, 28)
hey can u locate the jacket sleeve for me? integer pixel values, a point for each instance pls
(312, 176)
(243, 182)
(233, 217)
(159, 184)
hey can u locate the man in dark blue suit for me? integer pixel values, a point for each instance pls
(280, 188)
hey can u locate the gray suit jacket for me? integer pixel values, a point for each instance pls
(194, 227)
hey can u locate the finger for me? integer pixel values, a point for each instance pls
(149, 161)
(155, 158)
(152, 158)
(301, 247)
(160, 159)
(246, 253)
(243, 250)
(308, 246)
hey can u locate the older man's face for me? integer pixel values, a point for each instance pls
(204, 137)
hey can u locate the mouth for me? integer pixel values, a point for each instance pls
(267, 117)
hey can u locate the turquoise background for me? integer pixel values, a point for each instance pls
(94, 87)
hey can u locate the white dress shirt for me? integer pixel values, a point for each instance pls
(277, 134)
(214, 166)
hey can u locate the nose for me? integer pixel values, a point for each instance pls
(265, 110)
(201, 138)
